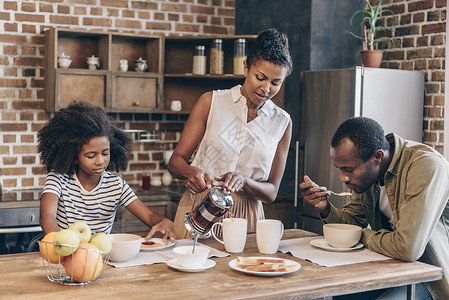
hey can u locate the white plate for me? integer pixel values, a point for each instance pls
(174, 264)
(165, 245)
(233, 265)
(321, 243)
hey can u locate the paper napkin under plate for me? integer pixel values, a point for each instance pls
(301, 248)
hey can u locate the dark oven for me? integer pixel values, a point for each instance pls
(19, 224)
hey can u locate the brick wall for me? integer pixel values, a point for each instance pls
(420, 43)
(22, 75)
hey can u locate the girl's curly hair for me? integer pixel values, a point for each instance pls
(272, 46)
(60, 141)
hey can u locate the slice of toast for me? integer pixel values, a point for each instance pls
(272, 261)
(253, 261)
(247, 261)
(285, 268)
(150, 244)
(263, 268)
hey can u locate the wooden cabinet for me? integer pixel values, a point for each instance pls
(107, 86)
(168, 77)
(179, 82)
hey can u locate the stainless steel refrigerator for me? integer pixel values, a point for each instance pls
(394, 98)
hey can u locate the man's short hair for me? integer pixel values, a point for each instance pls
(366, 134)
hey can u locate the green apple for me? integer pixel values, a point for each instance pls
(66, 242)
(83, 231)
(102, 241)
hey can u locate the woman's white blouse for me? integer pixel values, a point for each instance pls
(230, 144)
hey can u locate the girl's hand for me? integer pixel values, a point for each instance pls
(233, 181)
(166, 227)
(199, 181)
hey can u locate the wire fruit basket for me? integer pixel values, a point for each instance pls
(82, 267)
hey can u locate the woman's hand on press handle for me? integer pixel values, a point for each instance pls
(198, 181)
(232, 181)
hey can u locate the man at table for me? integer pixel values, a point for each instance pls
(400, 192)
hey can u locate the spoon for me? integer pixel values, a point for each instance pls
(343, 194)
(324, 189)
(195, 239)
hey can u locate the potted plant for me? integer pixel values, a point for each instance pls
(367, 30)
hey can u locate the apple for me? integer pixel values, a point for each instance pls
(47, 249)
(102, 241)
(83, 230)
(85, 264)
(66, 242)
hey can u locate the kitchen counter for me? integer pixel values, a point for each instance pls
(19, 204)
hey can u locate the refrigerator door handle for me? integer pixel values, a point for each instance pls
(296, 173)
(302, 149)
(295, 214)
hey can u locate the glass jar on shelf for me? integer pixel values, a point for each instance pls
(239, 56)
(216, 57)
(199, 60)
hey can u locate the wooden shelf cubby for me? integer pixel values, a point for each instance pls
(179, 82)
(107, 87)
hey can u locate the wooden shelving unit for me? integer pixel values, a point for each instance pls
(168, 77)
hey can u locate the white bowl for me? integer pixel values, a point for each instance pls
(125, 246)
(187, 259)
(342, 235)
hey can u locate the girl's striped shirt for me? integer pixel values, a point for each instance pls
(96, 207)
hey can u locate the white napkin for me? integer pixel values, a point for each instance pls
(301, 248)
(162, 256)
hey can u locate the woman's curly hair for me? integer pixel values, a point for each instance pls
(272, 46)
(60, 141)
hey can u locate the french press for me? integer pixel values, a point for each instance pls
(209, 211)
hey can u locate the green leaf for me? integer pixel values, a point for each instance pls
(369, 18)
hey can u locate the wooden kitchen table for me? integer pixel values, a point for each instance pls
(22, 276)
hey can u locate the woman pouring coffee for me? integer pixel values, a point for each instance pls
(242, 137)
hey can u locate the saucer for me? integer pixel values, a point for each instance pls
(321, 243)
(174, 264)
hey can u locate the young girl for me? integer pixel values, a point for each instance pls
(241, 136)
(78, 146)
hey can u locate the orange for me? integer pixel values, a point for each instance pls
(84, 265)
(47, 249)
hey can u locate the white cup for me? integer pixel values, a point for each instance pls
(123, 65)
(185, 258)
(234, 234)
(268, 235)
(176, 105)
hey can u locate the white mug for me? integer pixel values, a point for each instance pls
(176, 105)
(123, 65)
(268, 235)
(234, 234)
